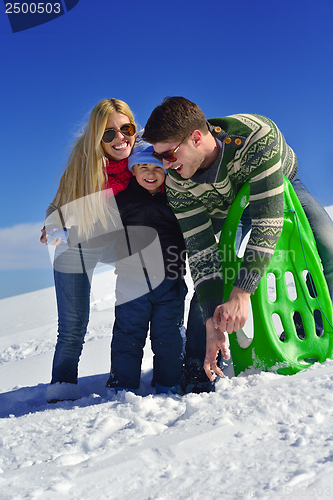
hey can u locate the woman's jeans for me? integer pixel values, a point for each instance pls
(322, 228)
(73, 270)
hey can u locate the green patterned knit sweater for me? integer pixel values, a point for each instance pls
(252, 149)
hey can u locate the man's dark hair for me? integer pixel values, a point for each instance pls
(173, 120)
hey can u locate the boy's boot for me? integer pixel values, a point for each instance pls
(162, 389)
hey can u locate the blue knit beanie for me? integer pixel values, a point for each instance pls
(141, 154)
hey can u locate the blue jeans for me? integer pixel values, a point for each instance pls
(163, 310)
(322, 228)
(73, 269)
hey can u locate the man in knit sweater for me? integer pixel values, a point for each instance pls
(208, 162)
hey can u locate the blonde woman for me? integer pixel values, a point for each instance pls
(81, 222)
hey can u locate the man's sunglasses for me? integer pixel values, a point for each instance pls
(128, 129)
(169, 155)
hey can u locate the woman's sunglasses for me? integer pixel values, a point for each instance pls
(128, 129)
(169, 155)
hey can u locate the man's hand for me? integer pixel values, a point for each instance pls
(215, 341)
(232, 315)
(228, 317)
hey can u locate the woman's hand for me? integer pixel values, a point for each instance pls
(43, 237)
(48, 238)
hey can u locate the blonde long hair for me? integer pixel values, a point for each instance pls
(85, 172)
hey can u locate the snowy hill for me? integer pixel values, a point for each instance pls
(261, 435)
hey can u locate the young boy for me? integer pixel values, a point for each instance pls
(158, 301)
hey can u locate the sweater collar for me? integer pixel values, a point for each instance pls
(211, 174)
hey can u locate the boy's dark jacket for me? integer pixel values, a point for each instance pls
(137, 207)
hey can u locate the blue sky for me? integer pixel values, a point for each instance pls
(261, 56)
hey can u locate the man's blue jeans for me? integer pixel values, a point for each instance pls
(322, 228)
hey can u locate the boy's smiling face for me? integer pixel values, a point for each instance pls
(149, 176)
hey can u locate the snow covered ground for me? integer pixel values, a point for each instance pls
(260, 435)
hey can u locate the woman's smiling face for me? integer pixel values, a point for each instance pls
(121, 146)
(149, 176)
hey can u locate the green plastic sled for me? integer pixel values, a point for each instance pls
(295, 253)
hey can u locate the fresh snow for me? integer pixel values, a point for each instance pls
(260, 435)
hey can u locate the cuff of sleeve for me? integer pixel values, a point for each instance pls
(208, 308)
(247, 280)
